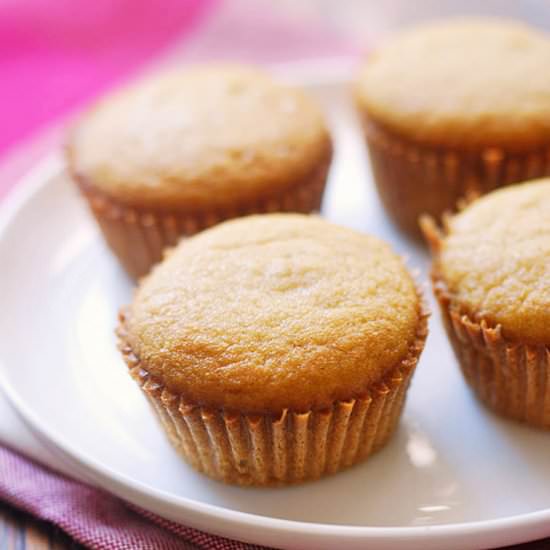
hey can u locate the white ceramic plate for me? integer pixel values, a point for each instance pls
(454, 476)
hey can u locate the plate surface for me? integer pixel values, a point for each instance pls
(454, 476)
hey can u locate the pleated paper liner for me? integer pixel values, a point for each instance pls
(414, 180)
(512, 378)
(284, 448)
(138, 236)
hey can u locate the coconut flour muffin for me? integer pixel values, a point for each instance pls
(174, 154)
(454, 108)
(491, 277)
(275, 348)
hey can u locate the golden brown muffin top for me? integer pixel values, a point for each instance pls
(205, 135)
(496, 260)
(465, 83)
(270, 312)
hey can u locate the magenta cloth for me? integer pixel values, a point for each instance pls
(56, 54)
(95, 518)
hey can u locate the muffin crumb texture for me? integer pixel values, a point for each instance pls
(207, 136)
(463, 83)
(274, 312)
(495, 260)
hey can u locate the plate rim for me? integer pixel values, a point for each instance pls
(504, 530)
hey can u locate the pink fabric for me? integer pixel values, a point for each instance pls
(252, 33)
(54, 55)
(95, 518)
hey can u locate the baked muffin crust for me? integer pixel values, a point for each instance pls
(495, 260)
(463, 83)
(198, 138)
(274, 312)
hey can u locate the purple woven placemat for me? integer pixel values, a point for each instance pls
(93, 517)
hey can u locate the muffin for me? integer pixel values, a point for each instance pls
(275, 348)
(491, 276)
(455, 108)
(172, 155)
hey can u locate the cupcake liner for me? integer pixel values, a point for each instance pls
(288, 447)
(138, 236)
(510, 377)
(414, 180)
